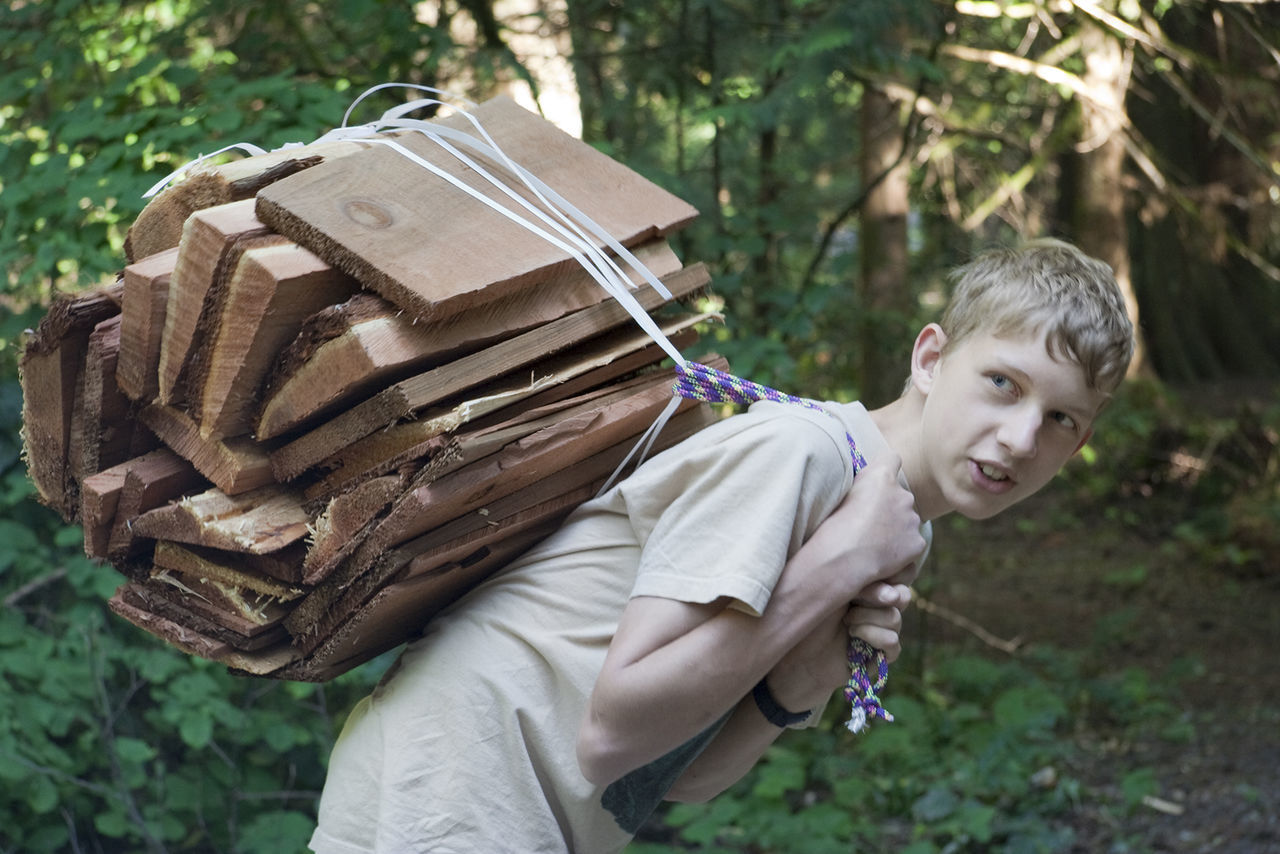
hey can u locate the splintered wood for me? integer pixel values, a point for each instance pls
(331, 391)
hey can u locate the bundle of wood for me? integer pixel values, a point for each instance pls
(329, 393)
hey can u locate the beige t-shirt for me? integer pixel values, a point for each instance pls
(469, 745)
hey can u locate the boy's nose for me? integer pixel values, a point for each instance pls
(1018, 433)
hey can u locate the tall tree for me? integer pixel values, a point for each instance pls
(886, 294)
(1100, 219)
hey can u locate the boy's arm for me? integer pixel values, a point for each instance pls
(876, 618)
(674, 669)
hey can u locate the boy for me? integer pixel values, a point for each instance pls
(663, 638)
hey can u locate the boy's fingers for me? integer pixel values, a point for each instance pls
(860, 616)
(885, 640)
(885, 593)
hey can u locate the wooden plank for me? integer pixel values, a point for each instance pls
(410, 441)
(256, 573)
(560, 335)
(208, 238)
(344, 517)
(158, 227)
(352, 349)
(122, 546)
(127, 604)
(107, 429)
(212, 606)
(195, 369)
(98, 499)
(162, 476)
(146, 293)
(560, 444)
(390, 604)
(124, 604)
(414, 441)
(408, 444)
(271, 292)
(235, 465)
(572, 333)
(431, 249)
(334, 543)
(51, 374)
(398, 613)
(259, 522)
(149, 483)
(552, 454)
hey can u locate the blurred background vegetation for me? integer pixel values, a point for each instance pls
(843, 154)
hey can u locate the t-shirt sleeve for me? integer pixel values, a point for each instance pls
(720, 516)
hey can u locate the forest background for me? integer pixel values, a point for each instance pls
(843, 156)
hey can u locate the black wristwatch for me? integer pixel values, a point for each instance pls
(773, 712)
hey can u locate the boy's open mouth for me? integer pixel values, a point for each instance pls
(992, 472)
(991, 477)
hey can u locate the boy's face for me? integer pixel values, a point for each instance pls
(1001, 417)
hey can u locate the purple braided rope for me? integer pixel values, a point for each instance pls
(699, 382)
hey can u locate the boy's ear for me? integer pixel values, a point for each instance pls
(926, 356)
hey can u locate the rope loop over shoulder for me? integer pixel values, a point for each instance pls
(699, 382)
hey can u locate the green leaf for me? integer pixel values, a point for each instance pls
(281, 736)
(976, 820)
(112, 822)
(276, 831)
(1138, 784)
(134, 750)
(782, 771)
(936, 804)
(50, 837)
(196, 729)
(1029, 708)
(41, 794)
(18, 538)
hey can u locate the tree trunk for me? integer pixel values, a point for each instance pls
(1100, 224)
(885, 291)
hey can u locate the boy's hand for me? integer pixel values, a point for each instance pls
(862, 559)
(872, 536)
(818, 665)
(876, 617)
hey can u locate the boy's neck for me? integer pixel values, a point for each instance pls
(899, 423)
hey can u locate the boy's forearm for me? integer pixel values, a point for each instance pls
(730, 755)
(646, 707)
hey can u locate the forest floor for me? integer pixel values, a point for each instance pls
(1061, 572)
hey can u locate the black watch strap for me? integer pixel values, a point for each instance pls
(773, 712)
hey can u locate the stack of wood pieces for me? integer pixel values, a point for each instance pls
(328, 394)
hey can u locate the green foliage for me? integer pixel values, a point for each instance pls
(1204, 468)
(752, 116)
(103, 99)
(956, 771)
(110, 739)
(978, 759)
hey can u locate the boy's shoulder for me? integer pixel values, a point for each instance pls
(769, 433)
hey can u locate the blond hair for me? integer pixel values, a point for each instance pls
(1051, 286)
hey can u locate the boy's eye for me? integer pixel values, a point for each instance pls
(1001, 382)
(1065, 420)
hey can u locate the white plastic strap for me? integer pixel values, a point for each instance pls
(247, 147)
(553, 219)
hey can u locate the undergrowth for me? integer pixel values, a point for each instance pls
(978, 759)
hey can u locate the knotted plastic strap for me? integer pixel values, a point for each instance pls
(699, 382)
